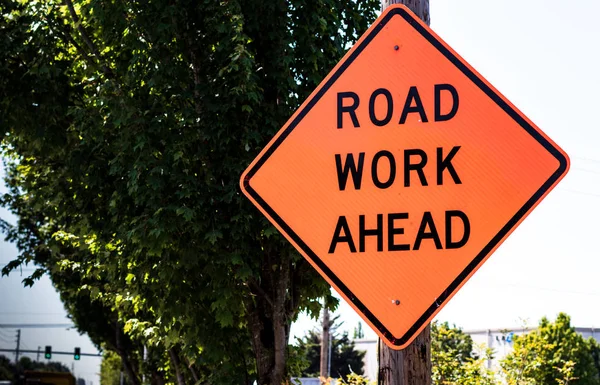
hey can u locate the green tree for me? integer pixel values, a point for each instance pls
(454, 360)
(595, 349)
(110, 369)
(552, 354)
(125, 127)
(7, 369)
(26, 363)
(345, 359)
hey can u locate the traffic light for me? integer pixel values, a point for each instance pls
(77, 355)
(48, 352)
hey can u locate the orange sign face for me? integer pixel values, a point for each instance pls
(401, 174)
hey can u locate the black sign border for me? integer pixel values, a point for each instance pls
(563, 165)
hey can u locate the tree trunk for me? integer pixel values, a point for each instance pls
(411, 366)
(177, 365)
(193, 371)
(157, 378)
(129, 367)
(129, 370)
(269, 318)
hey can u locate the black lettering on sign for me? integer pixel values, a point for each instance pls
(393, 230)
(342, 226)
(413, 95)
(375, 171)
(427, 222)
(450, 244)
(438, 88)
(415, 159)
(349, 167)
(427, 231)
(445, 105)
(363, 233)
(389, 103)
(350, 109)
(446, 163)
(418, 167)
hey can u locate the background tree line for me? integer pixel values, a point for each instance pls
(9, 371)
(552, 354)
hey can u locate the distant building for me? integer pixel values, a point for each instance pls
(306, 380)
(501, 340)
(371, 366)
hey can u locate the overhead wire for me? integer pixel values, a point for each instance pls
(4, 333)
(586, 159)
(7, 340)
(585, 170)
(580, 192)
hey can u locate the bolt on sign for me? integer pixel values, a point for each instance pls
(401, 174)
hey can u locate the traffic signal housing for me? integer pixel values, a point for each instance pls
(48, 352)
(77, 354)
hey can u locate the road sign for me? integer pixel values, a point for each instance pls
(401, 174)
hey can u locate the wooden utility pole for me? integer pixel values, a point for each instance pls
(325, 340)
(419, 7)
(411, 366)
(17, 352)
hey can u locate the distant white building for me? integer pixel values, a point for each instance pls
(371, 367)
(501, 340)
(306, 381)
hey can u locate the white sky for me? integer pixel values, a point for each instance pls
(543, 56)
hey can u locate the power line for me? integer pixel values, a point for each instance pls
(37, 326)
(585, 170)
(6, 337)
(28, 313)
(580, 192)
(7, 340)
(586, 159)
(532, 287)
(18, 268)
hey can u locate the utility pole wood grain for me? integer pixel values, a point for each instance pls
(324, 369)
(419, 7)
(411, 366)
(18, 347)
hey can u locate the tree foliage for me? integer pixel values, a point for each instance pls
(110, 369)
(454, 360)
(125, 126)
(553, 354)
(345, 359)
(8, 369)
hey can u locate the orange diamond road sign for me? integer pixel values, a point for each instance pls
(401, 174)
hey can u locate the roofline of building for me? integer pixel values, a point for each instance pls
(525, 329)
